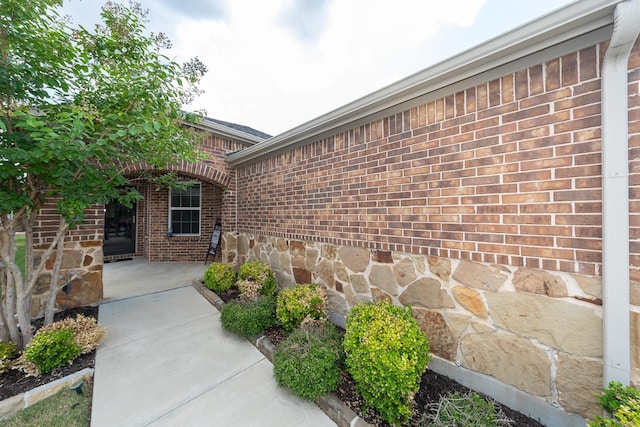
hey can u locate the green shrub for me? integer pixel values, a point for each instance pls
(87, 333)
(307, 362)
(8, 351)
(386, 353)
(469, 410)
(622, 402)
(52, 349)
(247, 317)
(300, 302)
(219, 277)
(261, 273)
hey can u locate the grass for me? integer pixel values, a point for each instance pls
(468, 409)
(64, 409)
(20, 254)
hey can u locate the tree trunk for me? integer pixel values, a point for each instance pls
(4, 329)
(24, 289)
(54, 288)
(12, 277)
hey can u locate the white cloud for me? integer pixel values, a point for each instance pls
(274, 64)
(260, 73)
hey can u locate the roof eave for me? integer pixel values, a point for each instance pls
(549, 30)
(226, 132)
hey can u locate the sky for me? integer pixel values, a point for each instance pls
(276, 64)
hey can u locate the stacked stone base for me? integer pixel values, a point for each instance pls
(81, 267)
(536, 331)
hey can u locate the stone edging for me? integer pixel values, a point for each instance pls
(12, 405)
(340, 413)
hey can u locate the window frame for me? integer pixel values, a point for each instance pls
(182, 208)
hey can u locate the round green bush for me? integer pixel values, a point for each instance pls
(248, 318)
(300, 302)
(50, 350)
(307, 362)
(386, 353)
(220, 276)
(261, 273)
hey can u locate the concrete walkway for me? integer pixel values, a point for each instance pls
(167, 362)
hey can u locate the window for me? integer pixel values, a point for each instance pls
(184, 210)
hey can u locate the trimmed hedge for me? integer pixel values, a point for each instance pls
(299, 303)
(50, 350)
(220, 276)
(261, 273)
(248, 318)
(307, 362)
(387, 354)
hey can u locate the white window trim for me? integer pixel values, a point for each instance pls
(199, 209)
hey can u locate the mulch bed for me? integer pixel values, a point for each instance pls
(432, 387)
(13, 381)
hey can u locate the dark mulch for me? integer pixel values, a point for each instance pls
(229, 295)
(432, 387)
(13, 381)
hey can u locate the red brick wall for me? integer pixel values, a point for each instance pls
(47, 222)
(156, 246)
(508, 171)
(217, 180)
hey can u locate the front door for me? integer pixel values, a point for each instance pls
(119, 230)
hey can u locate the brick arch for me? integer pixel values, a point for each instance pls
(200, 170)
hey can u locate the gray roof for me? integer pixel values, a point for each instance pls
(241, 128)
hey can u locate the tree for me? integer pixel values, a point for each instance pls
(77, 107)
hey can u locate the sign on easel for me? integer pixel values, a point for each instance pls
(215, 241)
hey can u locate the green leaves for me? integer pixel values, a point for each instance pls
(79, 105)
(50, 350)
(299, 303)
(387, 353)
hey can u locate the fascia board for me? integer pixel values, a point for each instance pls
(562, 25)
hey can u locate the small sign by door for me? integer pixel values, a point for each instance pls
(215, 241)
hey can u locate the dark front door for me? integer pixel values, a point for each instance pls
(119, 230)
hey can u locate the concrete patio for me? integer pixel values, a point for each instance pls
(167, 361)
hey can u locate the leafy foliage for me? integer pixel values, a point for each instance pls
(297, 303)
(386, 353)
(261, 273)
(87, 333)
(469, 410)
(220, 276)
(8, 351)
(307, 362)
(77, 107)
(52, 349)
(622, 402)
(248, 318)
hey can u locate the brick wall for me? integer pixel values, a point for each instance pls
(508, 171)
(83, 246)
(218, 182)
(47, 222)
(158, 247)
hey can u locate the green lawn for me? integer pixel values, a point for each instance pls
(64, 409)
(21, 252)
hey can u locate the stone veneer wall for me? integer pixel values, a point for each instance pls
(82, 255)
(536, 330)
